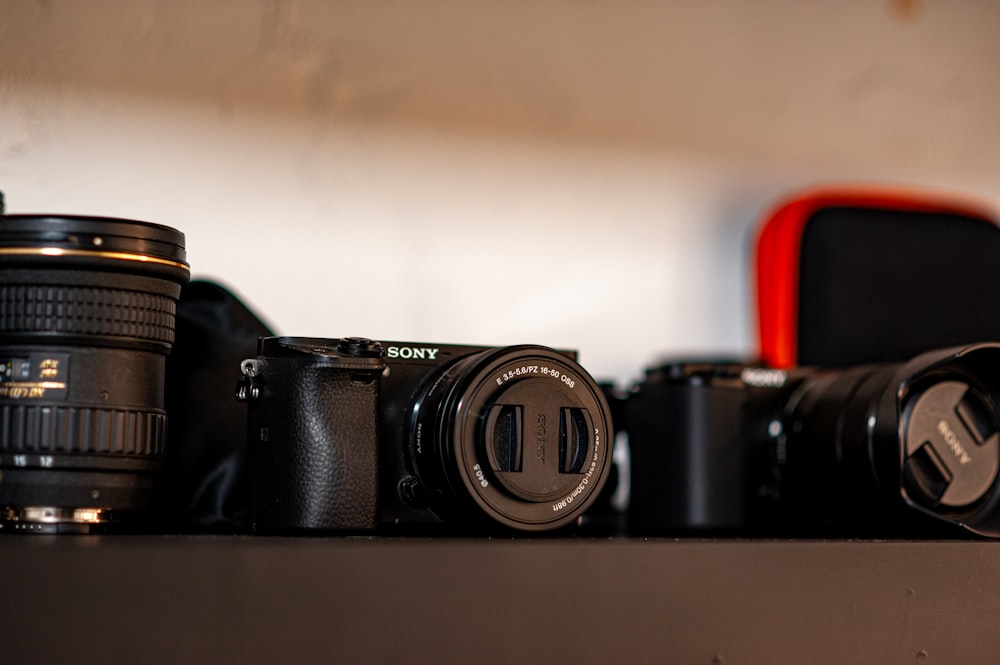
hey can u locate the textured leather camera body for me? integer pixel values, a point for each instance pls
(312, 436)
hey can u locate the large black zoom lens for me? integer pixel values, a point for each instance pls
(926, 432)
(87, 309)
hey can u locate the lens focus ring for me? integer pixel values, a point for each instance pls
(68, 429)
(87, 311)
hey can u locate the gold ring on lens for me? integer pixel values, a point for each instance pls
(118, 256)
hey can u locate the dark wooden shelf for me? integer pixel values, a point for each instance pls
(182, 599)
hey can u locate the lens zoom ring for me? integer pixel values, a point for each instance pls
(87, 311)
(69, 429)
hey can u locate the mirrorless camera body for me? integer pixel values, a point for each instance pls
(353, 435)
(873, 450)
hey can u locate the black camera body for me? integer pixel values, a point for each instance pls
(872, 450)
(353, 435)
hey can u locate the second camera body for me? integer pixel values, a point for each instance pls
(353, 434)
(872, 450)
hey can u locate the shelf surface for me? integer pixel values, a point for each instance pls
(261, 599)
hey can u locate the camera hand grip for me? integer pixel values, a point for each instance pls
(313, 453)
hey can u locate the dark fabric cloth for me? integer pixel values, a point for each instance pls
(203, 484)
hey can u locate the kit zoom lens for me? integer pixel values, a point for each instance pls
(522, 431)
(87, 318)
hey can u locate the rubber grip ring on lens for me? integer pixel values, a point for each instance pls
(69, 429)
(87, 311)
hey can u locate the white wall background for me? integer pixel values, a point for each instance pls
(570, 173)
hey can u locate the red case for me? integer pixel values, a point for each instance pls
(779, 261)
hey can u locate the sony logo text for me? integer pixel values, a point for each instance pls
(412, 352)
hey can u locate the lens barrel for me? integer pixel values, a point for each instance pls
(926, 431)
(87, 318)
(521, 433)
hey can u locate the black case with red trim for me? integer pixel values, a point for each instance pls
(853, 276)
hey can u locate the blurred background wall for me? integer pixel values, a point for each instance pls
(584, 174)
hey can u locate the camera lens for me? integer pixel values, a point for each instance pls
(927, 431)
(521, 432)
(87, 308)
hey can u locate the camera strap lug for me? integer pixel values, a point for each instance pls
(245, 389)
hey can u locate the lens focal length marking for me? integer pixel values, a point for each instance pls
(535, 370)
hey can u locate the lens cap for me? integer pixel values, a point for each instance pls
(537, 437)
(952, 438)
